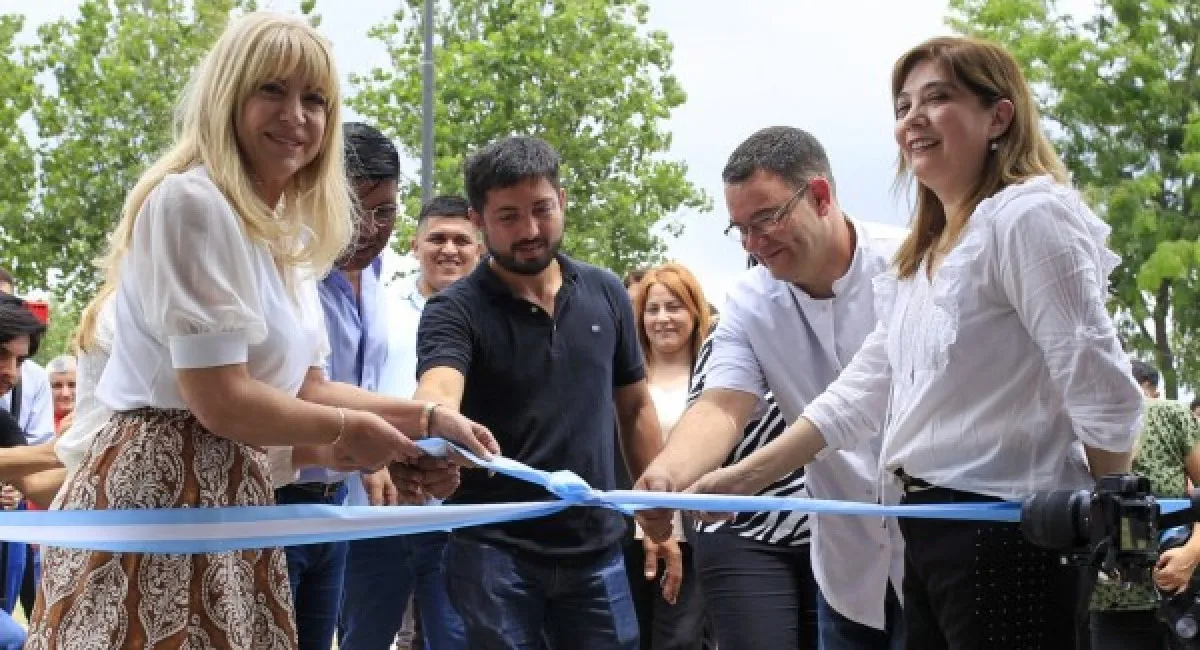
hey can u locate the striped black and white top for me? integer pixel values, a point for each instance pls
(784, 528)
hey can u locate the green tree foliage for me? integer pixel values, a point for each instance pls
(60, 334)
(113, 76)
(1121, 89)
(17, 181)
(586, 75)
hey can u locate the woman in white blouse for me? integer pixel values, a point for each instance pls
(993, 358)
(673, 318)
(218, 341)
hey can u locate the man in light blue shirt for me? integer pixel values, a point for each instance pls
(381, 574)
(353, 303)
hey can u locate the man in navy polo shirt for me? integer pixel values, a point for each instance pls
(539, 348)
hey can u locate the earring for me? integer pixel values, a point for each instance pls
(994, 146)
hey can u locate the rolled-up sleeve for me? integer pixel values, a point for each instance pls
(852, 409)
(200, 285)
(732, 363)
(1053, 269)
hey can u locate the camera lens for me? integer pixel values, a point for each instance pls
(1056, 520)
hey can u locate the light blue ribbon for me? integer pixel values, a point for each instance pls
(211, 530)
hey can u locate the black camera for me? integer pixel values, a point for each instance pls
(1115, 529)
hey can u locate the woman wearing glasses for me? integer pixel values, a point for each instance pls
(993, 355)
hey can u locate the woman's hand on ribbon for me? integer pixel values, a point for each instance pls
(368, 443)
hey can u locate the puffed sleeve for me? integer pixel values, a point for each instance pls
(200, 294)
(1053, 267)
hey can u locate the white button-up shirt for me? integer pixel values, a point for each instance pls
(773, 335)
(988, 377)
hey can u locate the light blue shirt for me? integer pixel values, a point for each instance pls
(37, 405)
(399, 375)
(358, 339)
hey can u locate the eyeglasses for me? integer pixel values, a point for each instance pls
(761, 225)
(380, 213)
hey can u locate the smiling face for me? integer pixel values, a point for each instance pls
(794, 248)
(447, 248)
(944, 131)
(522, 225)
(377, 202)
(280, 130)
(668, 323)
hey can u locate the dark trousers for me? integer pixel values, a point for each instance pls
(757, 595)
(837, 632)
(980, 586)
(381, 574)
(315, 572)
(514, 601)
(661, 625)
(1131, 630)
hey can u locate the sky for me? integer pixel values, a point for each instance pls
(745, 64)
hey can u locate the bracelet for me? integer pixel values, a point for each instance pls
(342, 427)
(427, 418)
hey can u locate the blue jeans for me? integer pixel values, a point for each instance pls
(836, 632)
(381, 575)
(517, 602)
(15, 555)
(12, 634)
(315, 573)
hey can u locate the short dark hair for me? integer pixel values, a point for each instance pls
(504, 163)
(370, 155)
(6, 277)
(17, 320)
(792, 154)
(446, 205)
(1195, 403)
(1144, 373)
(635, 276)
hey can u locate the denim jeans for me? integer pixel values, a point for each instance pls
(511, 601)
(836, 632)
(315, 573)
(381, 575)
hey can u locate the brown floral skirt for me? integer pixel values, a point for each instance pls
(153, 458)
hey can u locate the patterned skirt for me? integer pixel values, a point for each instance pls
(152, 458)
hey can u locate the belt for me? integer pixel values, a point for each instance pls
(315, 490)
(911, 484)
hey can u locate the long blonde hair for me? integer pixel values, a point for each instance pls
(314, 222)
(990, 73)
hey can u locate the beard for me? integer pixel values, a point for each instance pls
(531, 266)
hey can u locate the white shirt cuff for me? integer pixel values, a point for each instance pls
(208, 350)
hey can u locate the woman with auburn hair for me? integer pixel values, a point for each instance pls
(217, 344)
(673, 320)
(993, 357)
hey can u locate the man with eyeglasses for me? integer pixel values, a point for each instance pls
(353, 303)
(789, 326)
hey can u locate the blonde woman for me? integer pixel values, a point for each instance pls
(217, 344)
(672, 322)
(993, 356)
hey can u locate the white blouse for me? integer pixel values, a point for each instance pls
(986, 378)
(197, 292)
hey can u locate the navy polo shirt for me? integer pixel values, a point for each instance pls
(544, 386)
